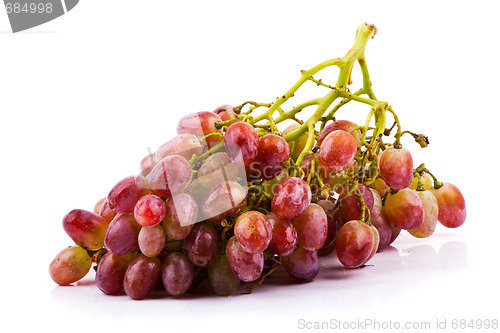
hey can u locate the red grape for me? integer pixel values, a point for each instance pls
(333, 221)
(177, 273)
(70, 265)
(351, 207)
(122, 235)
(202, 244)
(111, 272)
(451, 202)
(124, 195)
(171, 175)
(355, 243)
(337, 151)
(405, 209)
(151, 240)
(253, 231)
(200, 124)
(98, 205)
(216, 169)
(225, 112)
(221, 277)
(85, 228)
(226, 199)
(181, 214)
(245, 265)
(431, 211)
(284, 239)
(377, 205)
(302, 264)
(384, 228)
(273, 151)
(149, 210)
(342, 125)
(291, 198)
(241, 143)
(106, 212)
(396, 167)
(141, 276)
(312, 227)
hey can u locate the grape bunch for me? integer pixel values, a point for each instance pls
(232, 198)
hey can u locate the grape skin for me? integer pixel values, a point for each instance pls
(181, 214)
(284, 235)
(149, 210)
(171, 175)
(185, 145)
(351, 207)
(124, 195)
(342, 125)
(200, 124)
(221, 277)
(273, 151)
(151, 240)
(225, 112)
(384, 229)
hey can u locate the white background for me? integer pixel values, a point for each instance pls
(83, 98)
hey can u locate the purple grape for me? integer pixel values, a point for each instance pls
(302, 264)
(202, 244)
(141, 276)
(122, 235)
(245, 265)
(177, 273)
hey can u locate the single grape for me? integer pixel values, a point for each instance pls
(85, 228)
(241, 143)
(431, 211)
(122, 235)
(151, 240)
(355, 243)
(451, 202)
(245, 265)
(380, 186)
(396, 167)
(177, 273)
(149, 210)
(141, 276)
(225, 199)
(270, 185)
(181, 214)
(225, 112)
(221, 277)
(427, 182)
(284, 239)
(273, 151)
(384, 228)
(351, 207)
(111, 272)
(342, 125)
(200, 124)
(171, 175)
(300, 142)
(337, 151)
(302, 264)
(201, 244)
(405, 209)
(185, 145)
(124, 195)
(216, 169)
(147, 164)
(106, 212)
(291, 198)
(98, 205)
(70, 265)
(312, 227)
(253, 231)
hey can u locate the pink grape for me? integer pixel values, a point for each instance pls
(225, 199)
(149, 210)
(451, 202)
(151, 240)
(245, 265)
(431, 211)
(124, 195)
(241, 143)
(98, 205)
(355, 243)
(273, 151)
(202, 244)
(147, 164)
(111, 272)
(284, 236)
(216, 169)
(405, 209)
(70, 265)
(302, 264)
(122, 235)
(342, 125)
(312, 227)
(141, 276)
(200, 124)
(253, 231)
(171, 175)
(337, 151)
(396, 167)
(85, 228)
(225, 112)
(106, 212)
(351, 207)
(384, 228)
(185, 145)
(291, 198)
(177, 273)
(181, 214)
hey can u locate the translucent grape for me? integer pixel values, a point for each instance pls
(302, 264)
(225, 112)
(151, 240)
(396, 167)
(427, 182)
(355, 243)
(380, 186)
(70, 265)
(177, 273)
(241, 143)
(122, 235)
(431, 211)
(85, 228)
(245, 265)
(337, 151)
(253, 231)
(225, 199)
(216, 169)
(284, 235)
(201, 244)
(451, 202)
(98, 205)
(222, 278)
(149, 210)
(377, 205)
(141, 276)
(185, 145)
(312, 227)
(111, 272)
(405, 209)
(272, 152)
(171, 175)
(300, 142)
(147, 164)
(181, 214)
(291, 198)
(200, 124)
